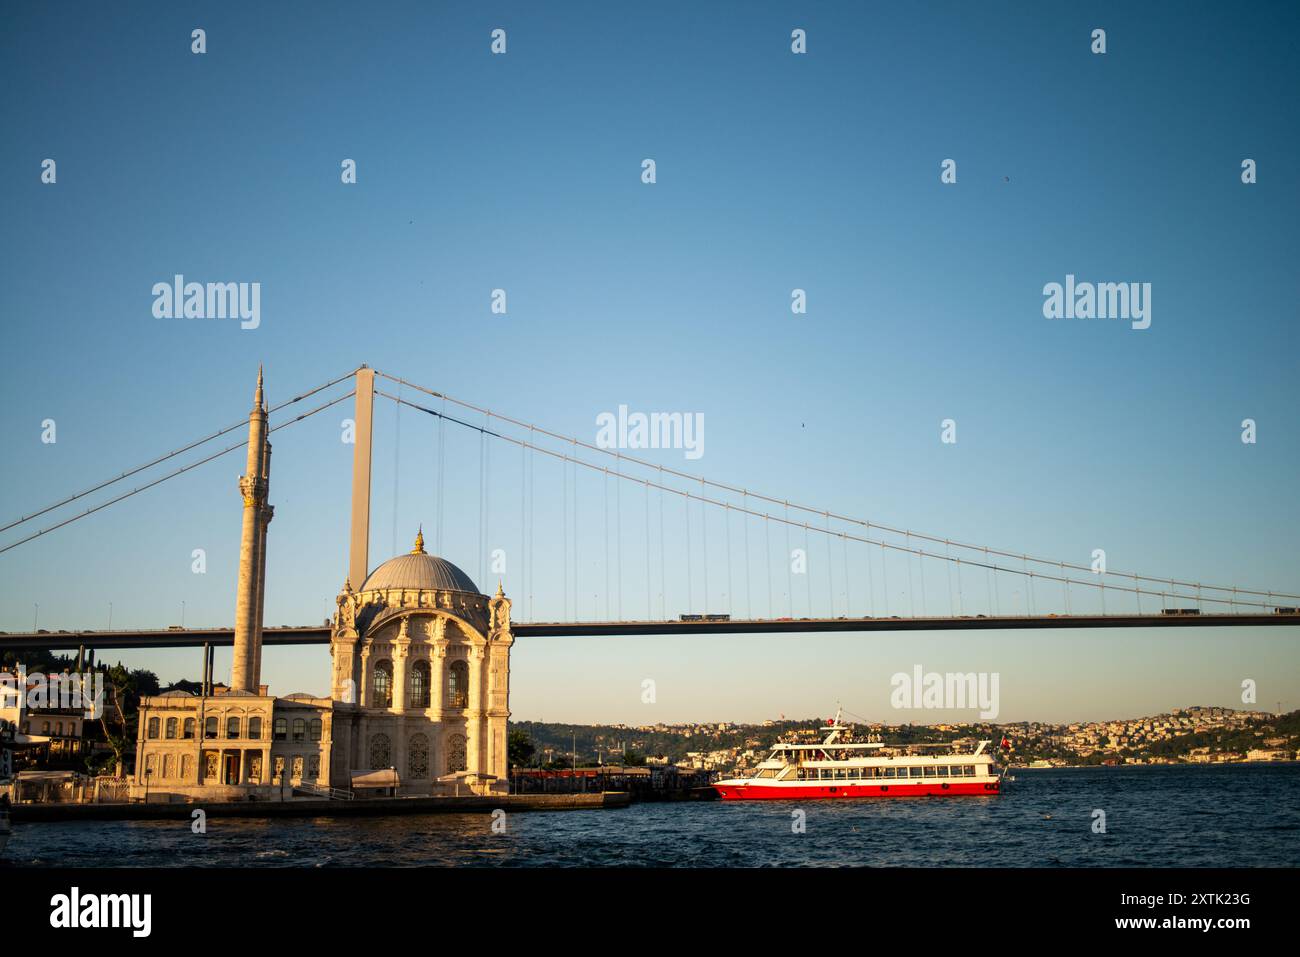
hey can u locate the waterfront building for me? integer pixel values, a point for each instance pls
(419, 695)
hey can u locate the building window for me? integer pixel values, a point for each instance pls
(255, 768)
(313, 766)
(210, 764)
(417, 757)
(281, 729)
(419, 685)
(383, 684)
(380, 752)
(297, 767)
(315, 729)
(171, 728)
(232, 727)
(254, 728)
(153, 727)
(455, 753)
(166, 766)
(299, 729)
(210, 727)
(188, 729)
(187, 767)
(458, 685)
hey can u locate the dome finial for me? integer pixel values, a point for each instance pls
(500, 591)
(419, 542)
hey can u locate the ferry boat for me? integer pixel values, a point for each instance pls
(840, 767)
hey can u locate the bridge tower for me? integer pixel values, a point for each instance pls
(254, 486)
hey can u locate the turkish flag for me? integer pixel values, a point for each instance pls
(1006, 745)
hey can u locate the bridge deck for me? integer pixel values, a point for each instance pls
(319, 634)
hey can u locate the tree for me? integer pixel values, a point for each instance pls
(519, 748)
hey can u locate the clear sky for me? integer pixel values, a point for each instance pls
(775, 171)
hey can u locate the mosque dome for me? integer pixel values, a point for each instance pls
(419, 570)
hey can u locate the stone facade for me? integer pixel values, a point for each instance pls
(230, 746)
(420, 687)
(422, 678)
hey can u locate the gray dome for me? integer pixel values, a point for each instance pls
(419, 570)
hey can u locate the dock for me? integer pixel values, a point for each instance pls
(370, 807)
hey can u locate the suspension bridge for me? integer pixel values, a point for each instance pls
(661, 551)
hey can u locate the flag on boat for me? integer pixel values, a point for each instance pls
(1006, 745)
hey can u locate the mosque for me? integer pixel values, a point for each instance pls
(419, 695)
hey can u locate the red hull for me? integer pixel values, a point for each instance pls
(768, 792)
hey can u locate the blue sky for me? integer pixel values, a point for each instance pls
(775, 172)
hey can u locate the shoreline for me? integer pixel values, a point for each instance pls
(371, 807)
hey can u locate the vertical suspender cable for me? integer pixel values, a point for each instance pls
(663, 567)
(749, 596)
(726, 518)
(704, 539)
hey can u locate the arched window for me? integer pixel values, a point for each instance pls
(210, 727)
(299, 731)
(381, 755)
(171, 728)
(281, 728)
(153, 728)
(419, 697)
(232, 727)
(455, 753)
(254, 728)
(315, 729)
(188, 733)
(383, 684)
(458, 685)
(417, 756)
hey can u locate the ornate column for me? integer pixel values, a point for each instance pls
(401, 653)
(475, 756)
(363, 693)
(438, 669)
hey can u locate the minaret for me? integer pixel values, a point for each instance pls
(252, 486)
(268, 512)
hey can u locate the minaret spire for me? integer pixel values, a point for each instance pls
(253, 486)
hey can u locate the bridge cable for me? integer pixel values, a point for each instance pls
(170, 455)
(883, 544)
(170, 475)
(848, 519)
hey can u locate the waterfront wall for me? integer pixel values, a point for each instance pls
(321, 808)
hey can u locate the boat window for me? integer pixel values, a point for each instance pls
(766, 773)
(931, 771)
(913, 772)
